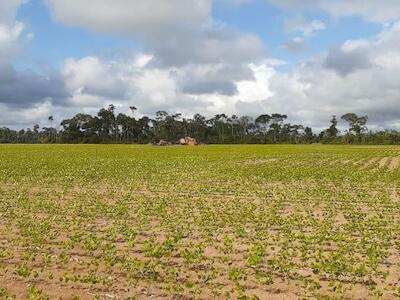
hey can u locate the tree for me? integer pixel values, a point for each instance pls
(198, 127)
(51, 119)
(159, 124)
(77, 128)
(234, 122)
(276, 124)
(295, 131)
(308, 133)
(145, 134)
(332, 131)
(133, 109)
(108, 122)
(262, 124)
(245, 124)
(107, 127)
(356, 123)
(123, 124)
(220, 121)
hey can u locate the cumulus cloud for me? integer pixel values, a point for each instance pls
(177, 33)
(125, 82)
(360, 76)
(21, 88)
(83, 77)
(306, 27)
(211, 45)
(345, 62)
(212, 78)
(310, 93)
(10, 36)
(381, 51)
(191, 63)
(8, 10)
(190, 57)
(24, 94)
(27, 88)
(372, 10)
(132, 17)
(12, 33)
(296, 44)
(151, 88)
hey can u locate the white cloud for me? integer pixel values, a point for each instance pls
(12, 33)
(124, 83)
(192, 64)
(306, 27)
(20, 88)
(132, 17)
(8, 10)
(176, 32)
(313, 91)
(12, 40)
(296, 44)
(189, 58)
(309, 94)
(179, 35)
(26, 117)
(373, 10)
(151, 88)
(90, 76)
(255, 90)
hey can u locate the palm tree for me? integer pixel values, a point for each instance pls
(133, 109)
(51, 119)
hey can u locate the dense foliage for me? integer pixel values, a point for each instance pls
(109, 127)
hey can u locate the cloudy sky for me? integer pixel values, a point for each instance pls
(306, 58)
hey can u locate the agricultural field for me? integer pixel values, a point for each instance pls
(207, 222)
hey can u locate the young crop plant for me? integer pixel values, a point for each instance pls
(238, 221)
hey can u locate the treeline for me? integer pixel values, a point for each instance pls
(109, 127)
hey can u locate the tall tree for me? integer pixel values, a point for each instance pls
(245, 123)
(357, 124)
(220, 121)
(332, 131)
(262, 124)
(51, 119)
(234, 122)
(276, 124)
(108, 122)
(133, 109)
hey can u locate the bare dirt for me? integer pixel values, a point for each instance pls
(394, 164)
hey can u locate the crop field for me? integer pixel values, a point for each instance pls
(207, 222)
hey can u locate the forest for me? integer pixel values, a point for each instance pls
(108, 127)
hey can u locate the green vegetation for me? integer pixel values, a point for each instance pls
(108, 127)
(242, 222)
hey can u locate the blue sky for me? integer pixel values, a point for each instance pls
(58, 41)
(54, 42)
(267, 21)
(237, 56)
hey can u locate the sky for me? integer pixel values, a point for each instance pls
(309, 59)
